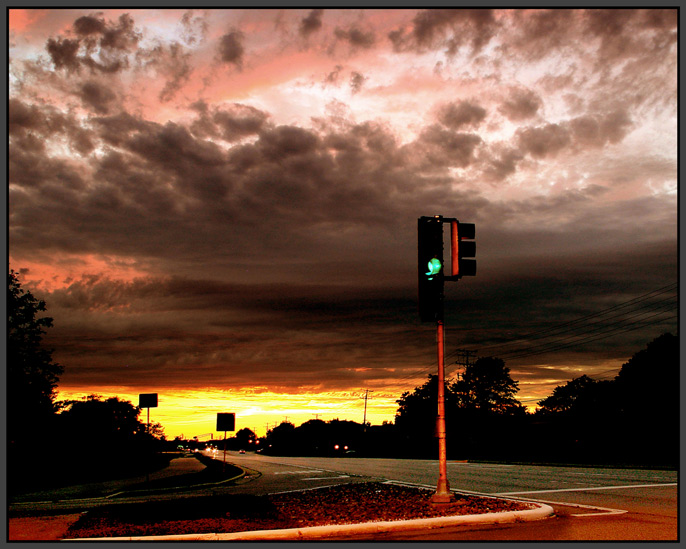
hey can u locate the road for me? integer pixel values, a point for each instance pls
(589, 503)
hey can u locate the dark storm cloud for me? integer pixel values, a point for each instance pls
(292, 193)
(449, 28)
(588, 131)
(224, 323)
(23, 117)
(521, 105)
(232, 123)
(180, 70)
(63, 53)
(315, 226)
(539, 32)
(356, 81)
(194, 28)
(122, 36)
(356, 37)
(96, 96)
(437, 147)
(114, 41)
(29, 128)
(599, 130)
(311, 23)
(567, 289)
(231, 49)
(332, 77)
(463, 113)
(500, 161)
(543, 141)
(89, 25)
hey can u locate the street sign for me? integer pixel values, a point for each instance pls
(226, 422)
(147, 400)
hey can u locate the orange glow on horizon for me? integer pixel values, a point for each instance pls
(194, 412)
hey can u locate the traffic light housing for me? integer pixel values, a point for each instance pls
(463, 249)
(430, 268)
(431, 265)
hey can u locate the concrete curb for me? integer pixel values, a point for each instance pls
(541, 511)
(154, 491)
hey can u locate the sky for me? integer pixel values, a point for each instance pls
(220, 205)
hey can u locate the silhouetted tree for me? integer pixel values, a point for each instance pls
(108, 424)
(574, 396)
(416, 415)
(632, 419)
(648, 401)
(312, 437)
(480, 411)
(280, 439)
(245, 438)
(649, 382)
(31, 374)
(488, 387)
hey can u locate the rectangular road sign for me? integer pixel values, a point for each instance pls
(147, 400)
(226, 422)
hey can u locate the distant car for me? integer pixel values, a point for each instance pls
(241, 451)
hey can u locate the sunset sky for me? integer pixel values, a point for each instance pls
(221, 206)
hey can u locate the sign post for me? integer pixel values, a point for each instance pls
(226, 422)
(147, 400)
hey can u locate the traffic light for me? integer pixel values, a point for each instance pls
(430, 268)
(463, 247)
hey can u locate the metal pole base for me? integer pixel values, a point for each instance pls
(442, 498)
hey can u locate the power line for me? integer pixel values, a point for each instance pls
(630, 327)
(574, 332)
(561, 326)
(575, 328)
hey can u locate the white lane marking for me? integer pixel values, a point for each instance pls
(296, 472)
(605, 510)
(620, 487)
(326, 478)
(479, 465)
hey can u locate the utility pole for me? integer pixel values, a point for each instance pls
(465, 354)
(364, 420)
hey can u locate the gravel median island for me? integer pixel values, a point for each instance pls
(345, 504)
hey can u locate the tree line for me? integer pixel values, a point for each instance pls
(631, 419)
(50, 442)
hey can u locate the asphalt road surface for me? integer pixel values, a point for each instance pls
(589, 503)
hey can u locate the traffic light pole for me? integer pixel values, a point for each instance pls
(442, 494)
(431, 277)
